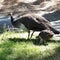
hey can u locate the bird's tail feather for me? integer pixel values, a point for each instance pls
(54, 30)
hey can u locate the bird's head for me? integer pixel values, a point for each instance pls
(10, 14)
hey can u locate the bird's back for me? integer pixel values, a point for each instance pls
(32, 23)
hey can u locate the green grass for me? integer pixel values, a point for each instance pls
(15, 46)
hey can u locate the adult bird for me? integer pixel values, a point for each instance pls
(33, 22)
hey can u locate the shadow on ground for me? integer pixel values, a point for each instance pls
(34, 41)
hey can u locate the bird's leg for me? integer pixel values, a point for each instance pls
(32, 34)
(41, 40)
(28, 33)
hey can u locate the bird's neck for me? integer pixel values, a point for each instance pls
(12, 19)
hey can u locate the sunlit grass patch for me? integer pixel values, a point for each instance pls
(14, 46)
(29, 51)
(17, 35)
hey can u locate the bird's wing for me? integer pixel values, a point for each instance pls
(41, 23)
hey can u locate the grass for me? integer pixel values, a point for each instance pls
(15, 46)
